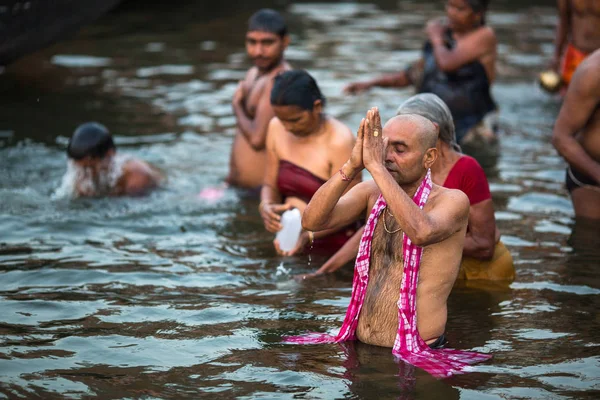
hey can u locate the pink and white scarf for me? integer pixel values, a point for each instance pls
(408, 345)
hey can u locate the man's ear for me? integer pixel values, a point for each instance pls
(430, 156)
(286, 41)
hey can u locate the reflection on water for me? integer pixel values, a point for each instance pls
(172, 296)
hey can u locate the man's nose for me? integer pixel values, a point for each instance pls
(388, 153)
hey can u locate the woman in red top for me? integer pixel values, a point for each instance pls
(305, 148)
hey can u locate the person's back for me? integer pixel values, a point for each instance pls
(577, 137)
(97, 169)
(266, 41)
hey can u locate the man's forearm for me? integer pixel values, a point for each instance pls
(481, 248)
(398, 79)
(318, 212)
(576, 156)
(247, 127)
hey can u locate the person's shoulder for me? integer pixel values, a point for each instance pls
(275, 129)
(139, 176)
(470, 166)
(340, 133)
(446, 198)
(486, 35)
(586, 80)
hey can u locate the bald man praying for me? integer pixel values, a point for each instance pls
(410, 252)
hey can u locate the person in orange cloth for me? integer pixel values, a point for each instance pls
(577, 35)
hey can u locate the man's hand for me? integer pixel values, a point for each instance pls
(435, 28)
(271, 215)
(374, 144)
(356, 157)
(357, 87)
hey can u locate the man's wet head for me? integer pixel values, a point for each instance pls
(411, 147)
(266, 39)
(90, 145)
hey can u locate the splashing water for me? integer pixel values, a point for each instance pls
(78, 179)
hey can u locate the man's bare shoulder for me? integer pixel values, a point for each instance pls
(448, 198)
(586, 80)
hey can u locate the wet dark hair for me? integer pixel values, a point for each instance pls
(296, 88)
(267, 20)
(479, 6)
(90, 139)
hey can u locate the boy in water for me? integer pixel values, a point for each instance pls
(99, 171)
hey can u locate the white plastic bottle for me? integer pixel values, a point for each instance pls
(291, 228)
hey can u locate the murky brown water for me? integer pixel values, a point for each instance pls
(171, 297)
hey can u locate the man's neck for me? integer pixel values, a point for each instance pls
(267, 71)
(411, 188)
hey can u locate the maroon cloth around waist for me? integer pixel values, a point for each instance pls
(295, 181)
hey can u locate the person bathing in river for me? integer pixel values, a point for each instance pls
(266, 41)
(577, 35)
(305, 147)
(484, 256)
(411, 248)
(95, 168)
(458, 64)
(577, 138)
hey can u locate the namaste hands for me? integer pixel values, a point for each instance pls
(370, 148)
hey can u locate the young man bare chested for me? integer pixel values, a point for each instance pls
(398, 158)
(577, 137)
(266, 41)
(577, 35)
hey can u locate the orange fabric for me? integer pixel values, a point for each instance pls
(571, 60)
(499, 268)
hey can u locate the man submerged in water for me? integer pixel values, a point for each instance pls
(577, 35)
(399, 161)
(577, 137)
(411, 248)
(266, 41)
(98, 171)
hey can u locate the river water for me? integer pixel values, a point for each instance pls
(171, 296)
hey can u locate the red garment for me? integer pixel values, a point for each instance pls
(295, 181)
(468, 177)
(571, 60)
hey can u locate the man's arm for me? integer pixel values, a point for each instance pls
(562, 31)
(468, 49)
(397, 79)
(450, 214)
(580, 102)
(254, 130)
(328, 209)
(480, 240)
(270, 206)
